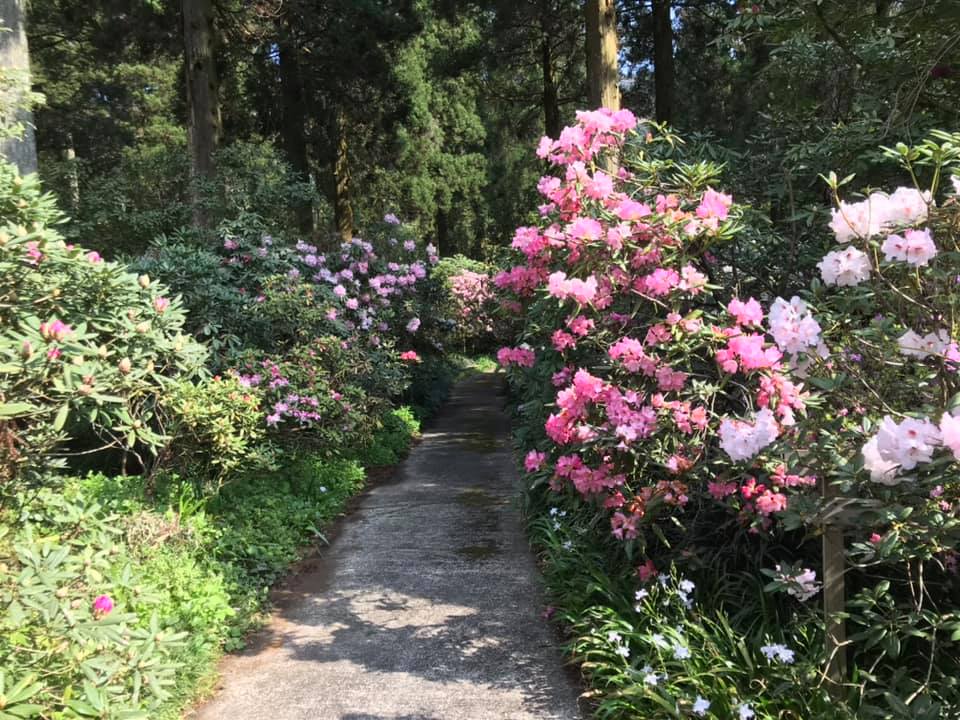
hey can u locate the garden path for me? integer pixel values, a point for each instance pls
(427, 604)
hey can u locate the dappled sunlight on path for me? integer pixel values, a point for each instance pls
(426, 606)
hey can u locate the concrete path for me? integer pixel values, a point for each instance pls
(427, 604)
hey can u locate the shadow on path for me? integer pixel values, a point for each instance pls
(426, 606)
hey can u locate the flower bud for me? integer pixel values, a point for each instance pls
(85, 390)
(143, 328)
(26, 350)
(150, 366)
(4, 239)
(103, 352)
(125, 366)
(144, 281)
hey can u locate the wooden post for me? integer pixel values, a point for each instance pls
(834, 592)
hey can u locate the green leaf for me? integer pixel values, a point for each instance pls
(15, 409)
(61, 419)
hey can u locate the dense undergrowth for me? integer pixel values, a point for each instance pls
(180, 578)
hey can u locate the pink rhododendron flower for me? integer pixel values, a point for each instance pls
(160, 304)
(647, 571)
(534, 460)
(845, 268)
(746, 313)
(583, 291)
(669, 379)
(598, 187)
(692, 280)
(562, 340)
(580, 325)
(658, 283)
(714, 205)
(410, 356)
(748, 352)
(624, 527)
(524, 357)
(628, 209)
(54, 330)
(721, 490)
(770, 502)
(631, 354)
(914, 246)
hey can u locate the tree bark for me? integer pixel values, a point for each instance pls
(73, 174)
(443, 232)
(15, 61)
(342, 207)
(663, 69)
(603, 72)
(203, 95)
(551, 101)
(294, 139)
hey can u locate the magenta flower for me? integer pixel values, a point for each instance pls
(54, 330)
(102, 605)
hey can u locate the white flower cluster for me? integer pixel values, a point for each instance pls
(904, 445)
(878, 214)
(742, 440)
(913, 345)
(792, 326)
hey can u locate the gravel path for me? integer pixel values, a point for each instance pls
(425, 607)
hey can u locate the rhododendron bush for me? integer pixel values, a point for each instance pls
(677, 413)
(662, 389)
(86, 347)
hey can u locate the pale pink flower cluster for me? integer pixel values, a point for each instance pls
(844, 267)
(583, 291)
(879, 212)
(742, 440)
(937, 344)
(914, 246)
(899, 446)
(792, 326)
(802, 585)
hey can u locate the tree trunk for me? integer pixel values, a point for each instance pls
(603, 73)
(663, 76)
(551, 102)
(294, 139)
(342, 208)
(443, 233)
(15, 61)
(203, 101)
(73, 174)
